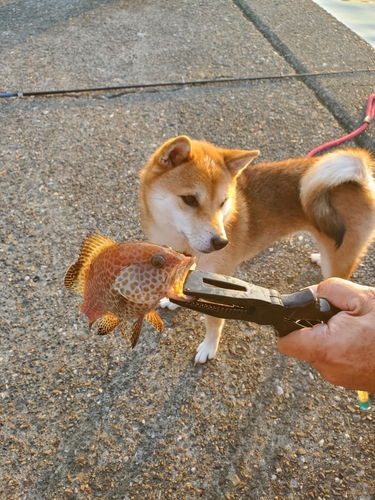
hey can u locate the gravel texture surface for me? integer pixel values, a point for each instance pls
(82, 416)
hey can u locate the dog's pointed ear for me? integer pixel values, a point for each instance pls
(237, 159)
(174, 152)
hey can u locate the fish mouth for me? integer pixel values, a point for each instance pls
(175, 284)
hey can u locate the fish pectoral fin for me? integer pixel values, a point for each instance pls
(106, 324)
(155, 320)
(135, 331)
(129, 284)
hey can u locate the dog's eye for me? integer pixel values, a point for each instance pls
(222, 204)
(190, 200)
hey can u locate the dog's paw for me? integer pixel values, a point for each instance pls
(167, 304)
(315, 258)
(205, 351)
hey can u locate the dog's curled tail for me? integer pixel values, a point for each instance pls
(348, 165)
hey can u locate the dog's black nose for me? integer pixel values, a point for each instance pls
(218, 243)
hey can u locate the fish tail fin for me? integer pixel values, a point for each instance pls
(91, 247)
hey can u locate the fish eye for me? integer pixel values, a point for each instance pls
(190, 200)
(157, 260)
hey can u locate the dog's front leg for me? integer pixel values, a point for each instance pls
(208, 347)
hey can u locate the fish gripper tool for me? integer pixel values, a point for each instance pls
(231, 298)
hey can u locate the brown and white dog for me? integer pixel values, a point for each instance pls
(209, 202)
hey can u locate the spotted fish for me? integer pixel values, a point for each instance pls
(124, 281)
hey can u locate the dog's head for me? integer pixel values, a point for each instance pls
(188, 192)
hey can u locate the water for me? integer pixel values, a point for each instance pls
(358, 15)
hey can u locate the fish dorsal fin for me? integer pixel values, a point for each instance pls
(107, 323)
(91, 247)
(135, 331)
(155, 320)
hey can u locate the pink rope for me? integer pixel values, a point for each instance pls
(370, 114)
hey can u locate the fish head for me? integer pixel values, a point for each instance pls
(155, 272)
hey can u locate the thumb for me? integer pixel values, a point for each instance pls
(343, 294)
(305, 343)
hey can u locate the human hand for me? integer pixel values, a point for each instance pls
(343, 350)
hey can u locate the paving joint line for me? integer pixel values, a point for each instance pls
(340, 114)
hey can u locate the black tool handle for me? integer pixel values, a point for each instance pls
(327, 310)
(303, 310)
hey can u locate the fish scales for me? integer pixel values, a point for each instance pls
(124, 281)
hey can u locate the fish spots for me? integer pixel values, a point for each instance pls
(125, 281)
(106, 324)
(142, 283)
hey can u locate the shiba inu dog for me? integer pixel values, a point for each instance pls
(210, 202)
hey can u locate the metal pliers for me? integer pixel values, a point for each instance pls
(231, 298)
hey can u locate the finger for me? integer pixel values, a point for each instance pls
(314, 289)
(337, 376)
(343, 294)
(305, 343)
